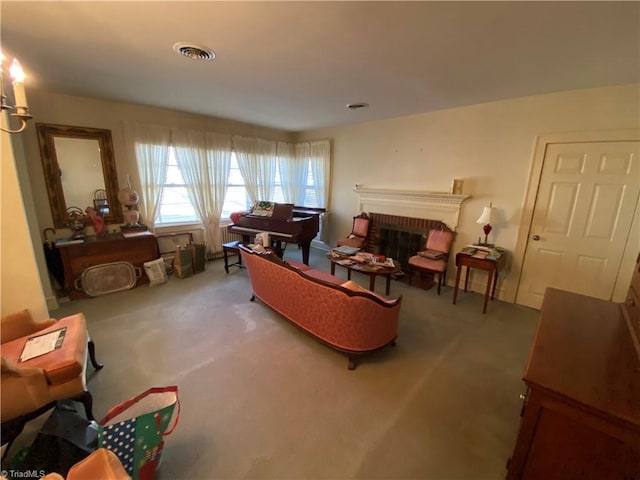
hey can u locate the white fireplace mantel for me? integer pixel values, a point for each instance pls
(411, 203)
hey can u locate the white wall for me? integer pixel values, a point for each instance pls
(490, 146)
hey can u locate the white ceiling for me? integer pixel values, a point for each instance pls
(295, 65)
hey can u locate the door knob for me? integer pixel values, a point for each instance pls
(535, 238)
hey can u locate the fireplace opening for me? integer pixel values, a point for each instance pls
(398, 243)
(400, 238)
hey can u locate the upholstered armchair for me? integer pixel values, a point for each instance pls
(359, 232)
(435, 258)
(30, 387)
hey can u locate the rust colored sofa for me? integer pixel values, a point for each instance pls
(341, 314)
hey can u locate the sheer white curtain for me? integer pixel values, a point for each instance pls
(204, 159)
(149, 145)
(320, 162)
(293, 161)
(257, 163)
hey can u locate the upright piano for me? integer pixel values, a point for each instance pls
(284, 222)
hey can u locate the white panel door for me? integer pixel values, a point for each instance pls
(586, 200)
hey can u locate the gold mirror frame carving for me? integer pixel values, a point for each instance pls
(46, 138)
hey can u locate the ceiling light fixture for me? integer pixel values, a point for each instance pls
(356, 106)
(196, 52)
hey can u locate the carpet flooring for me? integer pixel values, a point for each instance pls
(263, 400)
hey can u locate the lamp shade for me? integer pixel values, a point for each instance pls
(487, 216)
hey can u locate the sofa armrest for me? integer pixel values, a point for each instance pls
(22, 389)
(21, 324)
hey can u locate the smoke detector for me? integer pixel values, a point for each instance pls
(196, 52)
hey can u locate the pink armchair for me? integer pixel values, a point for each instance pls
(437, 241)
(359, 232)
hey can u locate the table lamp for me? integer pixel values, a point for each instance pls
(486, 218)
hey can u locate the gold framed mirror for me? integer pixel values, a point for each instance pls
(79, 170)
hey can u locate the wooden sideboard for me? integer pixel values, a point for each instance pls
(76, 258)
(581, 417)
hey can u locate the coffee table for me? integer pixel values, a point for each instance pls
(371, 269)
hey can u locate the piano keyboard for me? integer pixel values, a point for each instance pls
(238, 229)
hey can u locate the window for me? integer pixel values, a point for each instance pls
(236, 198)
(176, 208)
(175, 205)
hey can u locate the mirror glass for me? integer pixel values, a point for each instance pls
(80, 171)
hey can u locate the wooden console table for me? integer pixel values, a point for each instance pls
(492, 266)
(581, 414)
(77, 257)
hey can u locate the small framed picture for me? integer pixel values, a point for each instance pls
(456, 186)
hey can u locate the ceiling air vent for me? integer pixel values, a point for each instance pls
(193, 51)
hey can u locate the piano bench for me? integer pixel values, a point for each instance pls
(231, 249)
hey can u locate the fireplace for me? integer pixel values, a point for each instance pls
(401, 219)
(399, 237)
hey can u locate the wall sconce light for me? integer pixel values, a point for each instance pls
(21, 109)
(486, 218)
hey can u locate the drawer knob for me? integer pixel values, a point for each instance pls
(535, 238)
(630, 302)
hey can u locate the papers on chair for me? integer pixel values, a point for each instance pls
(431, 254)
(41, 344)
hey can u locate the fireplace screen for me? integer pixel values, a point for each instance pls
(398, 244)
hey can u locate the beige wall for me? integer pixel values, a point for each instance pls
(20, 285)
(490, 146)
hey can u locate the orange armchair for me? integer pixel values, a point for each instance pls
(359, 232)
(30, 387)
(438, 246)
(102, 464)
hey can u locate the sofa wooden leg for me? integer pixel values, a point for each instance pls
(253, 298)
(92, 356)
(352, 363)
(87, 401)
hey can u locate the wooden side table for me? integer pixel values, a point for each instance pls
(490, 265)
